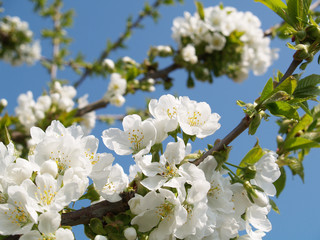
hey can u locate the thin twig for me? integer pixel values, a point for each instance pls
(163, 73)
(117, 43)
(56, 45)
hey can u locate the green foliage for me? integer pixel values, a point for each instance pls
(274, 206)
(200, 9)
(280, 182)
(91, 194)
(250, 158)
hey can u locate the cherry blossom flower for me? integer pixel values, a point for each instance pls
(196, 118)
(138, 136)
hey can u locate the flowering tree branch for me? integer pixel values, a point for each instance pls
(244, 123)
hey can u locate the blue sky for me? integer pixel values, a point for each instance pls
(100, 20)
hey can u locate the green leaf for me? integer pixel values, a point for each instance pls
(255, 123)
(299, 143)
(281, 182)
(288, 85)
(307, 87)
(251, 157)
(296, 167)
(267, 90)
(97, 226)
(279, 8)
(283, 109)
(200, 10)
(303, 124)
(91, 194)
(274, 206)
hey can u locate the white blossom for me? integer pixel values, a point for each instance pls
(137, 136)
(196, 118)
(189, 54)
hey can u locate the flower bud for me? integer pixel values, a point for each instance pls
(130, 233)
(250, 172)
(313, 32)
(302, 53)
(100, 237)
(3, 102)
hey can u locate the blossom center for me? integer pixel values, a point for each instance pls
(62, 160)
(214, 190)
(195, 119)
(136, 138)
(46, 196)
(173, 113)
(170, 171)
(18, 216)
(165, 210)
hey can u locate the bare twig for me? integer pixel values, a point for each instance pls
(163, 73)
(117, 43)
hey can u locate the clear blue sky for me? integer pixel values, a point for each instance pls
(98, 20)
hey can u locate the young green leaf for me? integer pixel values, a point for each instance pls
(279, 8)
(274, 206)
(267, 90)
(303, 124)
(251, 157)
(299, 143)
(281, 182)
(283, 109)
(200, 10)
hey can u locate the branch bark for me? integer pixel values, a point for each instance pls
(98, 210)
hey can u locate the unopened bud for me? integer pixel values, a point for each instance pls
(313, 32)
(130, 233)
(302, 53)
(3, 102)
(250, 172)
(279, 139)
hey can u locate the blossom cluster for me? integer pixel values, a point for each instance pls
(194, 119)
(60, 98)
(16, 46)
(34, 191)
(182, 200)
(174, 198)
(224, 41)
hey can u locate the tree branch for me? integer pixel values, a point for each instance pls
(98, 210)
(163, 73)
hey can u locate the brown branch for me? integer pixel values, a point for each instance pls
(98, 210)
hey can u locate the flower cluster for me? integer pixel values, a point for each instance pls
(189, 202)
(16, 45)
(182, 200)
(60, 98)
(35, 191)
(224, 41)
(116, 89)
(174, 198)
(194, 119)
